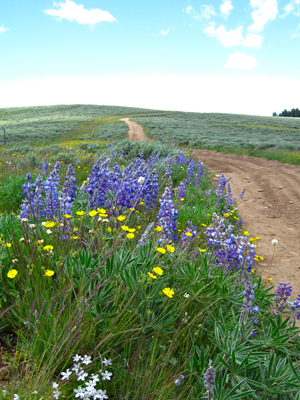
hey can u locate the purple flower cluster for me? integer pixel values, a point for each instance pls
(233, 253)
(43, 198)
(45, 167)
(167, 217)
(209, 380)
(220, 188)
(199, 174)
(136, 184)
(283, 292)
(181, 189)
(32, 205)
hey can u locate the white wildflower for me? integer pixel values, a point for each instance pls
(82, 375)
(141, 180)
(76, 358)
(100, 395)
(106, 362)
(65, 375)
(274, 242)
(49, 231)
(106, 375)
(24, 220)
(80, 392)
(86, 360)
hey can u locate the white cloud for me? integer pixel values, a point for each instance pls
(265, 10)
(189, 9)
(206, 12)
(226, 7)
(74, 12)
(241, 61)
(292, 7)
(2, 29)
(252, 40)
(230, 38)
(164, 33)
(233, 37)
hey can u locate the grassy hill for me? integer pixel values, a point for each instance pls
(270, 137)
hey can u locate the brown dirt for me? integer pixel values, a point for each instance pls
(135, 132)
(270, 209)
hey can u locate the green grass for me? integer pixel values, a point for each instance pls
(92, 294)
(283, 156)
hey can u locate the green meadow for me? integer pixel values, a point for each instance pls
(126, 273)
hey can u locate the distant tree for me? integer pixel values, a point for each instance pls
(274, 114)
(295, 112)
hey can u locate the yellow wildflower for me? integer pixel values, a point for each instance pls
(12, 273)
(141, 202)
(131, 230)
(168, 292)
(130, 235)
(103, 215)
(158, 229)
(161, 250)
(121, 218)
(125, 228)
(170, 248)
(202, 250)
(8, 244)
(74, 237)
(93, 213)
(48, 247)
(80, 212)
(68, 216)
(101, 210)
(152, 276)
(49, 224)
(203, 224)
(109, 229)
(158, 270)
(246, 233)
(48, 272)
(139, 227)
(189, 234)
(182, 199)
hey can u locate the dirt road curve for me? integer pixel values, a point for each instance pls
(270, 208)
(135, 132)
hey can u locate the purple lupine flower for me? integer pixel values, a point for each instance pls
(242, 194)
(167, 217)
(228, 198)
(209, 379)
(182, 189)
(249, 295)
(283, 292)
(190, 170)
(220, 188)
(45, 167)
(32, 205)
(200, 173)
(51, 186)
(232, 252)
(68, 192)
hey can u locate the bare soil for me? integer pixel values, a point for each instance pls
(135, 132)
(270, 209)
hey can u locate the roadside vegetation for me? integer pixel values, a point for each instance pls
(126, 274)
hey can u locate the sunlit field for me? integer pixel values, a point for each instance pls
(126, 273)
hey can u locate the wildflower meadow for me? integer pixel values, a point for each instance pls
(127, 274)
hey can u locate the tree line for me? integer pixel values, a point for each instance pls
(295, 112)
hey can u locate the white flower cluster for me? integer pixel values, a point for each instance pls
(89, 391)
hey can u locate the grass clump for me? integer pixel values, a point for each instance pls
(138, 282)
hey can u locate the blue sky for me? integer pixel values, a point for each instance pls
(239, 56)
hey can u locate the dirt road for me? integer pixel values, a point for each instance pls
(135, 132)
(270, 209)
